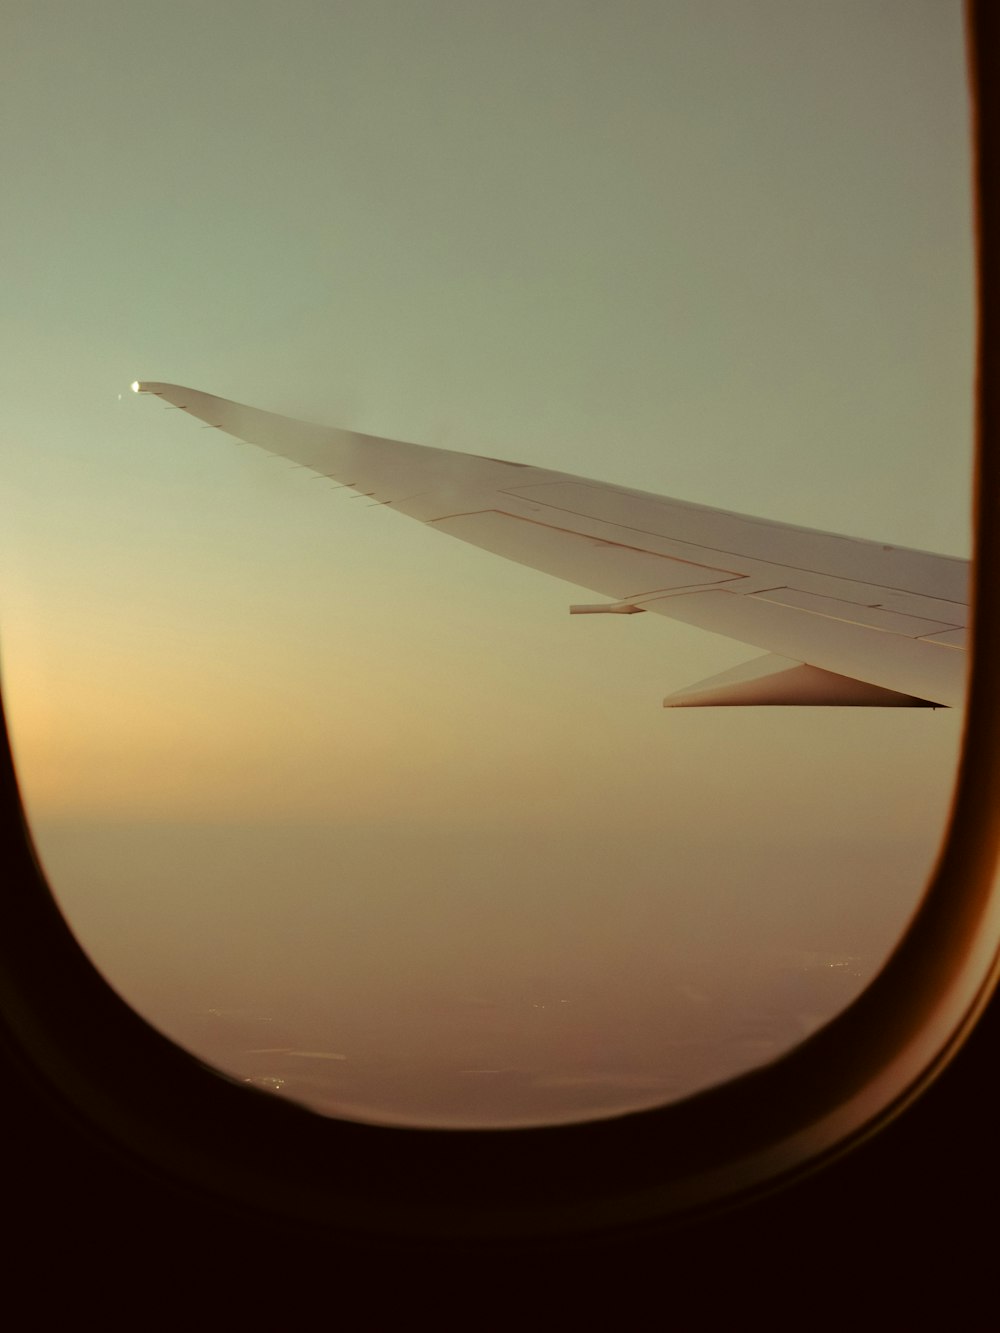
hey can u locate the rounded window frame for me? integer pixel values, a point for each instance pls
(112, 1072)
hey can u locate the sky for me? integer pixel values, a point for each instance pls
(302, 767)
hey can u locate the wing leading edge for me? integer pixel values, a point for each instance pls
(843, 621)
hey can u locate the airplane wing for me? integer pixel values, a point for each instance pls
(843, 621)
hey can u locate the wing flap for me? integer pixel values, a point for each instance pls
(923, 668)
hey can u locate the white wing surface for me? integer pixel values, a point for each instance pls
(843, 621)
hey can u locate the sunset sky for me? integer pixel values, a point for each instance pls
(291, 756)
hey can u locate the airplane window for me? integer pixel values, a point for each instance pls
(357, 812)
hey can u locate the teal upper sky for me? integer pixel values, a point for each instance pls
(718, 250)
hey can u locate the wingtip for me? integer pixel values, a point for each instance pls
(154, 387)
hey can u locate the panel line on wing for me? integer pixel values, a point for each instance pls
(681, 510)
(872, 617)
(592, 537)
